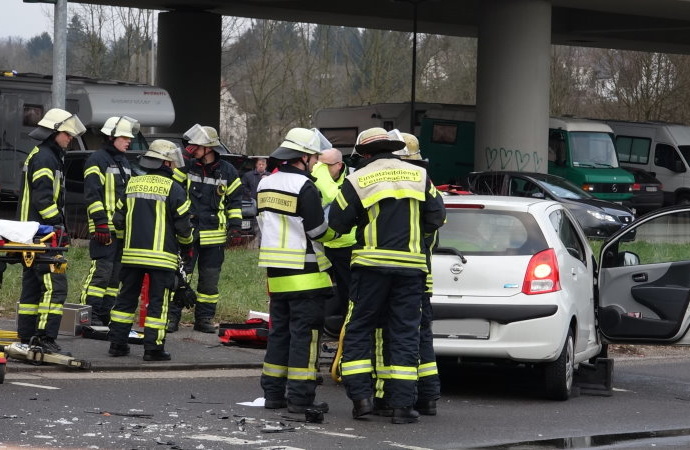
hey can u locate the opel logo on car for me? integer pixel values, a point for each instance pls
(456, 268)
(614, 188)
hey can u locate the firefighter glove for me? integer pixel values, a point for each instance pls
(186, 254)
(102, 234)
(235, 237)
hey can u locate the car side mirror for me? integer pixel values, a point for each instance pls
(574, 253)
(628, 259)
(538, 195)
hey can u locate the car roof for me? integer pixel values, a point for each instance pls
(500, 202)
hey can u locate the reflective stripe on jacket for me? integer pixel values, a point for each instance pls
(41, 196)
(393, 204)
(156, 219)
(106, 173)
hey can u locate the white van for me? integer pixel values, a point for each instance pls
(660, 148)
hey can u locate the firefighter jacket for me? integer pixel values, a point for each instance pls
(42, 193)
(329, 188)
(106, 173)
(215, 191)
(155, 219)
(393, 204)
(292, 229)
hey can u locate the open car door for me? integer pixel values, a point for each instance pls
(644, 280)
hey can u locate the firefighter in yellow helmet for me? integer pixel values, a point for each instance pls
(389, 267)
(106, 172)
(42, 199)
(293, 227)
(156, 225)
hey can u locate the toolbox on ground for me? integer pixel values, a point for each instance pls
(74, 317)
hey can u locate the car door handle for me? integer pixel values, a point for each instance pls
(639, 277)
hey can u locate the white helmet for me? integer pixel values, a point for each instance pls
(301, 141)
(121, 126)
(161, 150)
(205, 137)
(56, 120)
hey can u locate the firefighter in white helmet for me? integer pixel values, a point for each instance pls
(42, 199)
(293, 227)
(106, 173)
(215, 193)
(155, 220)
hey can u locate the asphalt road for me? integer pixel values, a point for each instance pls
(481, 407)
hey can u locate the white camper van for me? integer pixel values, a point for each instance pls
(660, 148)
(24, 98)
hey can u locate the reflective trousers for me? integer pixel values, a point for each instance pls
(429, 382)
(102, 283)
(394, 299)
(292, 354)
(209, 261)
(40, 302)
(122, 316)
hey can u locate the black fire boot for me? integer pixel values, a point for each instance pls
(156, 355)
(361, 408)
(300, 409)
(204, 325)
(405, 415)
(382, 408)
(118, 349)
(426, 407)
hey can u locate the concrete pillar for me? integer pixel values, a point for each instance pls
(189, 47)
(513, 70)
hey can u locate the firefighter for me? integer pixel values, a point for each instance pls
(157, 228)
(330, 173)
(393, 204)
(429, 383)
(42, 199)
(292, 228)
(215, 192)
(106, 173)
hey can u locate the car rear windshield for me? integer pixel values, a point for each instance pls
(487, 232)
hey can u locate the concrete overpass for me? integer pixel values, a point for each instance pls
(514, 39)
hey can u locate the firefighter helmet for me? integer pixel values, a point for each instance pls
(301, 141)
(411, 149)
(375, 140)
(161, 150)
(56, 120)
(121, 126)
(205, 137)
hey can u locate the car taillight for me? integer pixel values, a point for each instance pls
(542, 274)
(636, 187)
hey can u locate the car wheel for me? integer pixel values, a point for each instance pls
(559, 374)
(683, 199)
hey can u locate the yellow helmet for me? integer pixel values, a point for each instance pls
(411, 150)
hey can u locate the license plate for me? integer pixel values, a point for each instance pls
(651, 188)
(461, 328)
(246, 225)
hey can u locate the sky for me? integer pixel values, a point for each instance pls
(25, 20)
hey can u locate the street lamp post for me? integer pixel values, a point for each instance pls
(413, 89)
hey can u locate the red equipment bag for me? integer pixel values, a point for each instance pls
(253, 333)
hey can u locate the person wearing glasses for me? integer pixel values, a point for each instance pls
(330, 172)
(106, 173)
(42, 199)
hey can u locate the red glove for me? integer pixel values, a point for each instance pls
(102, 234)
(235, 237)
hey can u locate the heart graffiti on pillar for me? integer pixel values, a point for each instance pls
(506, 156)
(537, 162)
(522, 160)
(490, 154)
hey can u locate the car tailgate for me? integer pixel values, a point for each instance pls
(480, 276)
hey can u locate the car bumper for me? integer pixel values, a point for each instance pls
(523, 333)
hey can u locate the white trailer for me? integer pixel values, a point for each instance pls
(25, 97)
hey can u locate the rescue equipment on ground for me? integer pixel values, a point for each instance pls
(252, 333)
(35, 354)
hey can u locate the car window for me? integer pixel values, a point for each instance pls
(567, 234)
(666, 156)
(484, 232)
(489, 184)
(660, 240)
